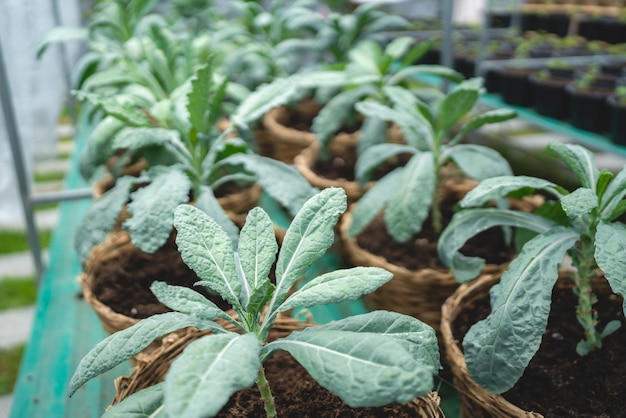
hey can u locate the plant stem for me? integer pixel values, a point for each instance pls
(583, 260)
(266, 394)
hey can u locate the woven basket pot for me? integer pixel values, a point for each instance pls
(282, 142)
(306, 160)
(419, 293)
(109, 252)
(151, 368)
(474, 400)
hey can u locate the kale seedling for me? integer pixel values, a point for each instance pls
(367, 360)
(188, 161)
(409, 193)
(582, 225)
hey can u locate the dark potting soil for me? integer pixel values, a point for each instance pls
(421, 251)
(558, 382)
(340, 165)
(127, 290)
(297, 395)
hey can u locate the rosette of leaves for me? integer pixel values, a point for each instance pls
(367, 360)
(343, 30)
(110, 35)
(582, 224)
(408, 194)
(370, 71)
(187, 162)
(259, 43)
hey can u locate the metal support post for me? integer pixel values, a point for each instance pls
(20, 167)
(446, 47)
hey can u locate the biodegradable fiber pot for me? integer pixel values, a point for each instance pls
(296, 393)
(590, 394)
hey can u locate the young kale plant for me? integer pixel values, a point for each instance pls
(432, 134)
(582, 225)
(369, 73)
(367, 360)
(187, 162)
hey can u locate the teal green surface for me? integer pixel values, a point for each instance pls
(65, 328)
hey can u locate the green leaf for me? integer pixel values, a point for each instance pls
(137, 138)
(188, 301)
(337, 286)
(373, 131)
(373, 201)
(417, 338)
(198, 98)
(124, 344)
(257, 250)
(409, 205)
(611, 327)
(579, 160)
(317, 79)
(99, 147)
(415, 127)
(580, 202)
(363, 369)
(152, 208)
(205, 375)
(147, 403)
(263, 99)
(478, 162)
(613, 195)
(206, 249)
(610, 255)
(101, 216)
(335, 114)
(455, 105)
(491, 116)
(208, 203)
(308, 237)
(498, 348)
(279, 180)
(111, 106)
(497, 187)
(366, 55)
(399, 46)
(375, 156)
(604, 179)
(61, 34)
(470, 222)
(414, 70)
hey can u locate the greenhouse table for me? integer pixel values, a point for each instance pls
(65, 326)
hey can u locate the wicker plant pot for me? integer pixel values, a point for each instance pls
(306, 160)
(419, 293)
(151, 368)
(281, 141)
(474, 400)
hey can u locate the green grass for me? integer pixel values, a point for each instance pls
(46, 206)
(48, 177)
(10, 360)
(16, 292)
(16, 241)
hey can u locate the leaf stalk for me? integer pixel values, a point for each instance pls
(266, 394)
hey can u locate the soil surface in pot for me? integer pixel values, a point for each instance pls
(421, 251)
(297, 395)
(558, 382)
(127, 291)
